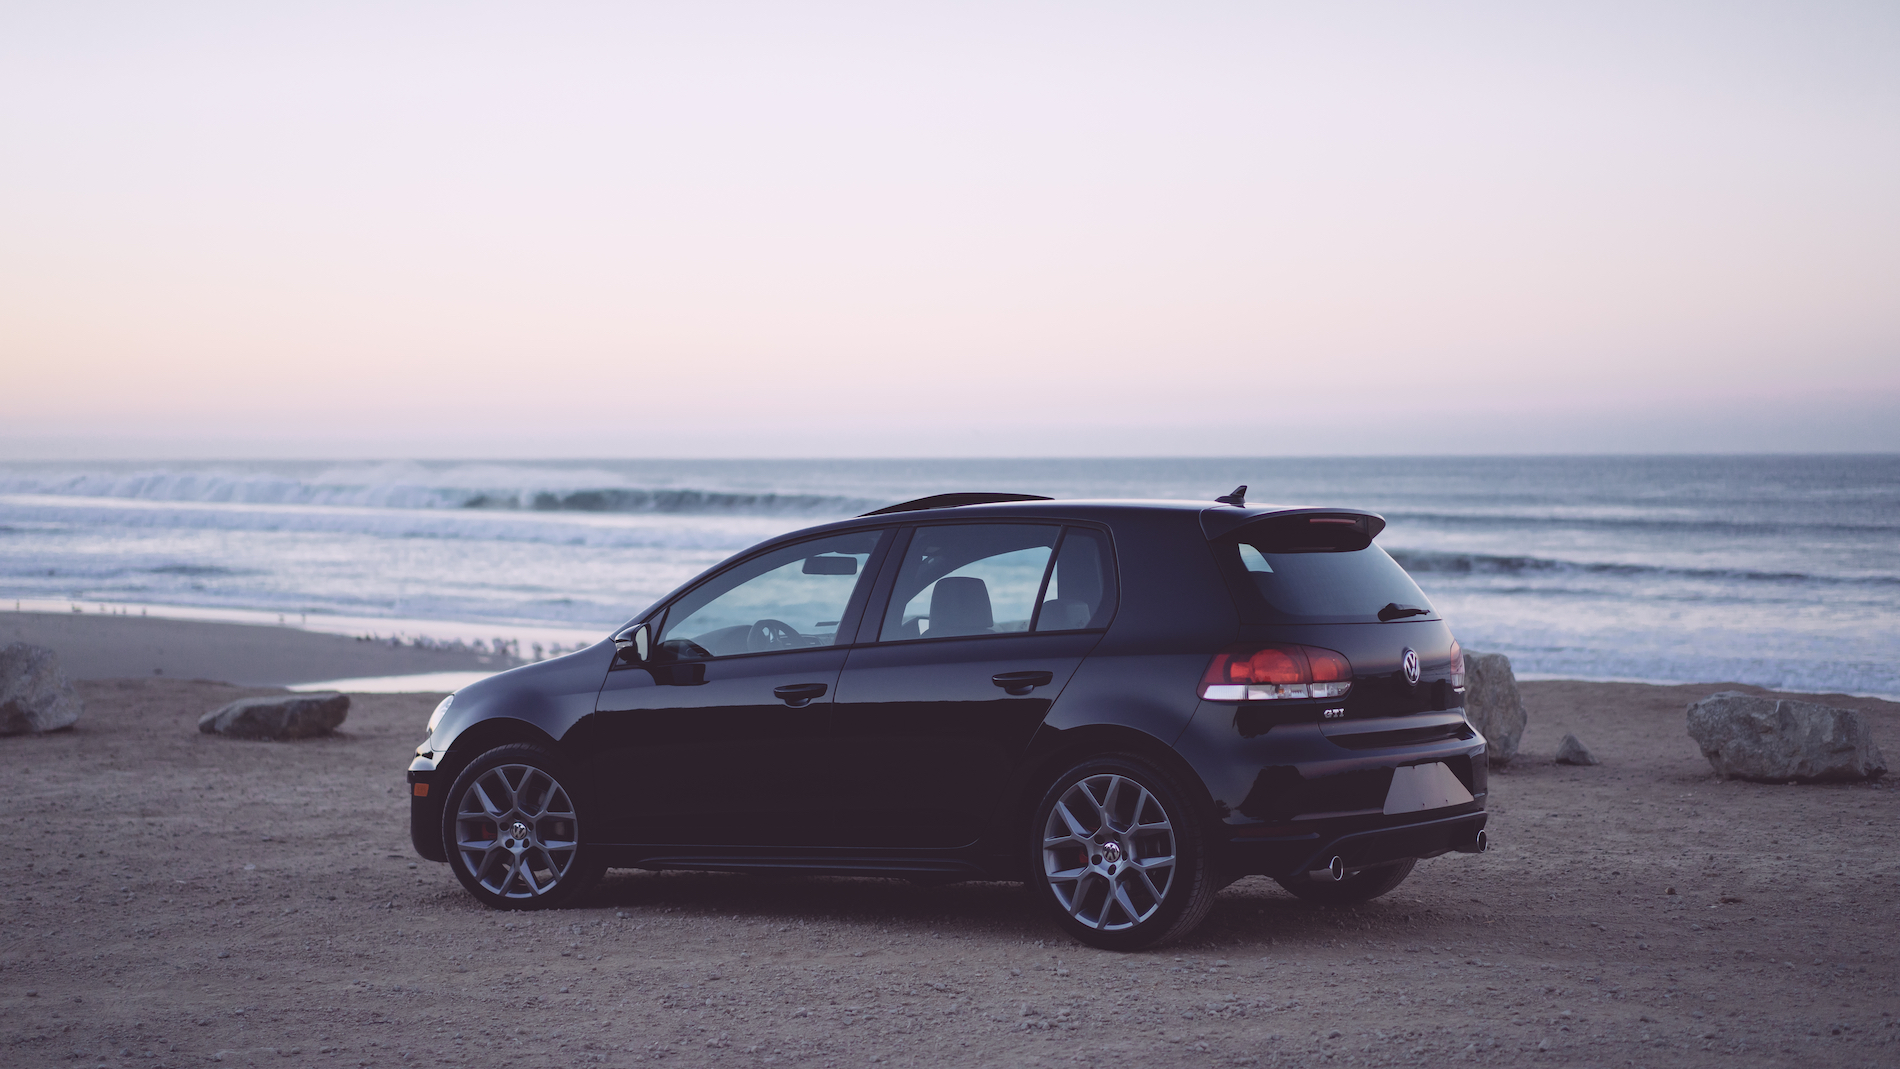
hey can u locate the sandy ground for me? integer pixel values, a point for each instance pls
(91, 646)
(177, 898)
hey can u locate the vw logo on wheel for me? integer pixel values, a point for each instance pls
(1409, 659)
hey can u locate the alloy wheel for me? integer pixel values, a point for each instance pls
(516, 832)
(1109, 852)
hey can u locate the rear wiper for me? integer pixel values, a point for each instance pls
(1394, 611)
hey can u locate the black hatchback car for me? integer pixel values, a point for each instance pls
(1125, 704)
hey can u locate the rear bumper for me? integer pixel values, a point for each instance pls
(425, 809)
(1356, 847)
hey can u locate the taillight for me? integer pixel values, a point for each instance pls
(1269, 673)
(1457, 666)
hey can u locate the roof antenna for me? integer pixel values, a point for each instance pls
(1238, 497)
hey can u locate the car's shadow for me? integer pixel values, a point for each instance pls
(1253, 911)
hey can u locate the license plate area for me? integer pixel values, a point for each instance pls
(1417, 788)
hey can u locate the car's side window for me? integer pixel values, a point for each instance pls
(1081, 592)
(968, 579)
(791, 598)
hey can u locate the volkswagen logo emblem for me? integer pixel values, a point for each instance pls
(1409, 661)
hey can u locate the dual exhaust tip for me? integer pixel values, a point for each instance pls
(1335, 869)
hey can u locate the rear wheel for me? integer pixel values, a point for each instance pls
(1119, 856)
(512, 828)
(1362, 886)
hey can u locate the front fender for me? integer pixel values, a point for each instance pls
(551, 696)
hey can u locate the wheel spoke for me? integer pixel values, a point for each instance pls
(546, 796)
(487, 804)
(512, 786)
(1148, 882)
(1109, 798)
(1075, 900)
(1127, 905)
(526, 866)
(1076, 830)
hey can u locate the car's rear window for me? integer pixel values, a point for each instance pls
(1333, 587)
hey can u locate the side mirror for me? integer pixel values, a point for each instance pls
(632, 645)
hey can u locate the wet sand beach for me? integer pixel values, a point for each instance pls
(95, 646)
(179, 898)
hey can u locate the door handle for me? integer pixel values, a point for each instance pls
(799, 695)
(1021, 683)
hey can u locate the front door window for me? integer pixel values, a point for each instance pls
(792, 598)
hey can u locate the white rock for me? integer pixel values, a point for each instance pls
(1776, 739)
(1492, 703)
(279, 716)
(34, 694)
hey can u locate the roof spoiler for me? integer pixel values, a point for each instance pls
(1296, 529)
(950, 501)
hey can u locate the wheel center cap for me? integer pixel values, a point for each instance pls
(518, 831)
(1112, 852)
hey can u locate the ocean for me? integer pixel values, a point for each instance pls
(1782, 571)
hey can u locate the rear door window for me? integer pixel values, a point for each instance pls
(969, 579)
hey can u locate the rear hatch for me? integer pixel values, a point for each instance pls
(1312, 581)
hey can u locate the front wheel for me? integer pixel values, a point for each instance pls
(512, 828)
(1119, 855)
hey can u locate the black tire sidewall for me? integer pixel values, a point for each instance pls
(1192, 876)
(585, 869)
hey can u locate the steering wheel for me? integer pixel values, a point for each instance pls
(770, 634)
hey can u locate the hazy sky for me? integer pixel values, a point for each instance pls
(956, 229)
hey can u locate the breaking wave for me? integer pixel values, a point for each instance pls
(1426, 562)
(409, 486)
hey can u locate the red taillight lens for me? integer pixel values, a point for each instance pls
(1457, 666)
(1273, 664)
(1268, 673)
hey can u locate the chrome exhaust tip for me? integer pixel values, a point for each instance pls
(1479, 844)
(1335, 870)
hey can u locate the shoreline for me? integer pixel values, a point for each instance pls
(95, 645)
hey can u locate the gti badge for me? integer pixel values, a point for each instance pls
(1410, 660)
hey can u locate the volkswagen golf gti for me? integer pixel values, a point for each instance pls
(1126, 705)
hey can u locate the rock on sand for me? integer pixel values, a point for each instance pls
(34, 693)
(1492, 703)
(1572, 751)
(1775, 739)
(286, 716)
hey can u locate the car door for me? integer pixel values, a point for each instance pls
(712, 740)
(973, 638)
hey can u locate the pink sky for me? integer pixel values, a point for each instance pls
(878, 229)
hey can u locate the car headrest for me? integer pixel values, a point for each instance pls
(960, 605)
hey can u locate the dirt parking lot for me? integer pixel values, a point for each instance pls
(178, 898)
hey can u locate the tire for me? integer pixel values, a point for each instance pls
(1362, 886)
(1119, 855)
(528, 790)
